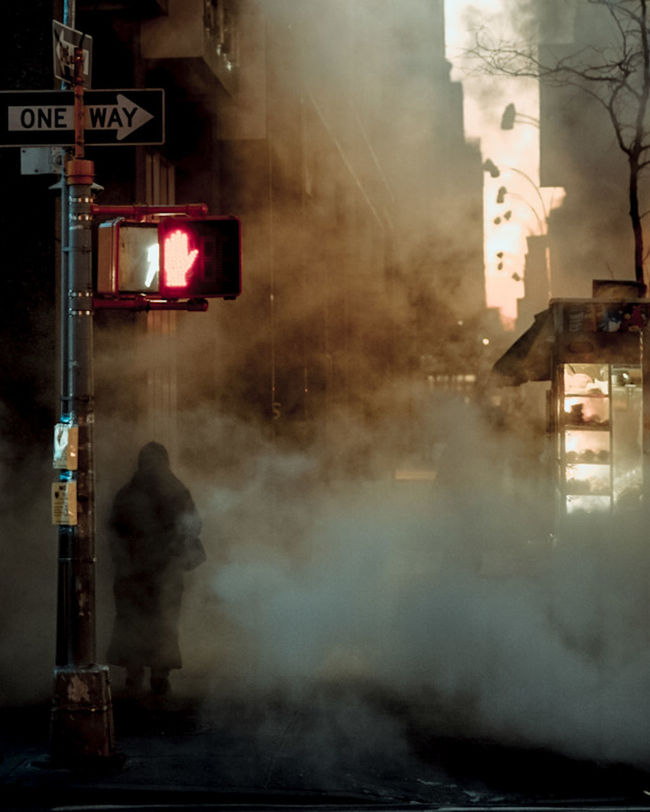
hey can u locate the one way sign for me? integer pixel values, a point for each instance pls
(112, 117)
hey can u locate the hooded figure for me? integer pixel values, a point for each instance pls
(154, 539)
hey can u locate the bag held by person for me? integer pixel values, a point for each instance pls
(194, 554)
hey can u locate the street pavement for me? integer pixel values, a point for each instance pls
(328, 748)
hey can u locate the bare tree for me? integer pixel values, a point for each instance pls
(615, 72)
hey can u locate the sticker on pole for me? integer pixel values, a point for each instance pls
(66, 443)
(64, 503)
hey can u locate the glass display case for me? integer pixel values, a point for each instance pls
(599, 441)
(596, 354)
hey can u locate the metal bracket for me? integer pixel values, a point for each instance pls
(85, 308)
(142, 303)
(139, 212)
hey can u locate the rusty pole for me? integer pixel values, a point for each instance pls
(82, 714)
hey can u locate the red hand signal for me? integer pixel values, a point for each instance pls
(178, 259)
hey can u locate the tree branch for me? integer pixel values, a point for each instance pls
(616, 75)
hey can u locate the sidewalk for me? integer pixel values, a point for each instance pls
(183, 750)
(186, 751)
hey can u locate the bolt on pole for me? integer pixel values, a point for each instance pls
(82, 714)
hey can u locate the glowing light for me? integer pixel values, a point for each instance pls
(153, 265)
(519, 148)
(587, 446)
(178, 259)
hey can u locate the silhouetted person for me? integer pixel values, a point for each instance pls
(154, 538)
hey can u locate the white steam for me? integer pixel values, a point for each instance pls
(454, 602)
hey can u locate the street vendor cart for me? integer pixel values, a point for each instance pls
(592, 352)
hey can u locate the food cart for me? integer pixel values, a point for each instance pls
(592, 352)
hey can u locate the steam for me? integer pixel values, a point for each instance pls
(27, 578)
(450, 598)
(483, 630)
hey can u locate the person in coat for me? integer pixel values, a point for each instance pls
(154, 537)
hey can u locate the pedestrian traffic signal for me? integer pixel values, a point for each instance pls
(199, 257)
(175, 258)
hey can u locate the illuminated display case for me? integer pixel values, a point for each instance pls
(596, 354)
(599, 441)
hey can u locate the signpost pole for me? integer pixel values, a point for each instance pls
(82, 714)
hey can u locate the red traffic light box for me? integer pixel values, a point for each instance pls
(178, 257)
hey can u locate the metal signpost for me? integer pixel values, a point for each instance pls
(82, 713)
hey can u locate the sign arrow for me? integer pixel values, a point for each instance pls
(125, 117)
(111, 117)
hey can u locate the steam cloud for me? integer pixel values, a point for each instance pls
(449, 598)
(452, 601)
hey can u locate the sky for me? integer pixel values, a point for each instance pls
(515, 152)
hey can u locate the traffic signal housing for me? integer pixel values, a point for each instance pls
(174, 258)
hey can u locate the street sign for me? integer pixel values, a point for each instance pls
(64, 42)
(113, 117)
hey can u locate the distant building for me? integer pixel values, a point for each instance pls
(537, 283)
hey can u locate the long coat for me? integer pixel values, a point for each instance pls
(152, 521)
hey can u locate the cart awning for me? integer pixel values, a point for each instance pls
(530, 357)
